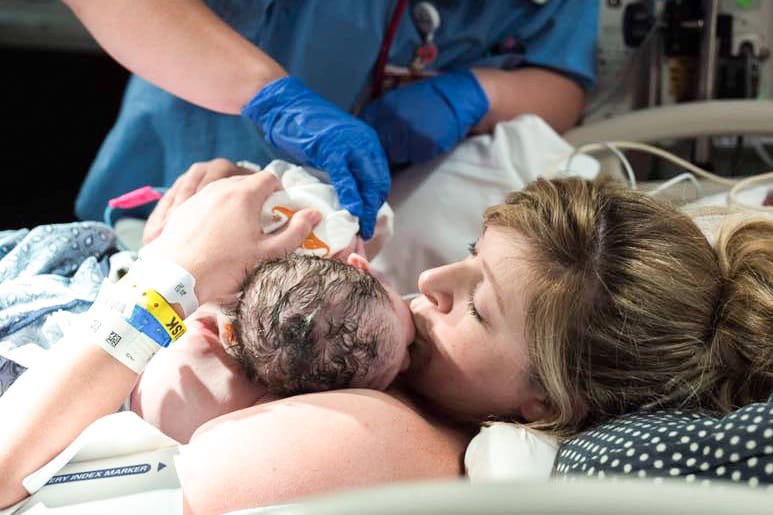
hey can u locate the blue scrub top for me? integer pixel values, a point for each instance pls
(332, 46)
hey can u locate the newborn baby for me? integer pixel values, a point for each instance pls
(302, 324)
(308, 324)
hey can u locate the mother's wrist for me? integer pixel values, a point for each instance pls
(131, 323)
(172, 280)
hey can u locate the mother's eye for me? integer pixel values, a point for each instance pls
(473, 310)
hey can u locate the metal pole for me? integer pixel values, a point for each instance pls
(708, 62)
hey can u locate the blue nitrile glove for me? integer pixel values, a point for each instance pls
(315, 132)
(421, 120)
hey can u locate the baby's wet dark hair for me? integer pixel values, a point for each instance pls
(308, 324)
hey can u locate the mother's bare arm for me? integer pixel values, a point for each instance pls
(50, 405)
(312, 444)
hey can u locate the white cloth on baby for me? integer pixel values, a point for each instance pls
(304, 187)
(505, 451)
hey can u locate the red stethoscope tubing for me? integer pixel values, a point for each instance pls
(386, 44)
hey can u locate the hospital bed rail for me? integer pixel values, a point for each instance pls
(688, 120)
(580, 496)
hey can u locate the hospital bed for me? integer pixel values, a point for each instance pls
(554, 496)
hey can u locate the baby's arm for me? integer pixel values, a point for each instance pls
(189, 384)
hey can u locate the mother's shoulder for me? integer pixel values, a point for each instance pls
(340, 408)
(315, 443)
(336, 407)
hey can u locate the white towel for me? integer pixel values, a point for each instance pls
(304, 188)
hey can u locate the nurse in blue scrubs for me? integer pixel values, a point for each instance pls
(348, 86)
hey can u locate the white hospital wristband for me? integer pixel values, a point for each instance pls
(172, 281)
(119, 339)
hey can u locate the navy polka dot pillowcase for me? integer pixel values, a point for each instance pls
(674, 444)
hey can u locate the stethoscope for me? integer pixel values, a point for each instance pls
(427, 20)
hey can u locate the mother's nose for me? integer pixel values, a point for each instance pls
(435, 284)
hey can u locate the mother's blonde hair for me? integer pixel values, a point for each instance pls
(630, 306)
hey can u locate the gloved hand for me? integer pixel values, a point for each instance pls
(316, 133)
(417, 122)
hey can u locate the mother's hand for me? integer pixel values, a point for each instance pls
(216, 234)
(186, 185)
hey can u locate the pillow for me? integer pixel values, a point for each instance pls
(505, 451)
(675, 444)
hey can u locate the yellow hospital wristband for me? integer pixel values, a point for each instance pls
(157, 306)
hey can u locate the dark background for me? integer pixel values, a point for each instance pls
(56, 107)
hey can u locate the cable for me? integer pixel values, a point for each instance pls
(643, 147)
(676, 180)
(732, 195)
(736, 185)
(626, 164)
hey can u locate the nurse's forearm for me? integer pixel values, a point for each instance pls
(555, 98)
(51, 404)
(182, 47)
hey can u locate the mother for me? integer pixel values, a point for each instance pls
(579, 302)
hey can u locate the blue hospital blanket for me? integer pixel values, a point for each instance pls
(43, 272)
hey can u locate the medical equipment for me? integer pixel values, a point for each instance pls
(426, 18)
(656, 51)
(117, 455)
(427, 21)
(662, 53)
(130, 200)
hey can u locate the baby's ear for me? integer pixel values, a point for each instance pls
(357, 261)
(228, 335)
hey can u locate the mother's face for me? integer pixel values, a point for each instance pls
(470, 356)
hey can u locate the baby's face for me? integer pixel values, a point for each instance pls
(395, 351)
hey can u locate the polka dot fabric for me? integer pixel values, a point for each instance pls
(674, 444)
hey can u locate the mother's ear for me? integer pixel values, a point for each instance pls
(536, 407)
